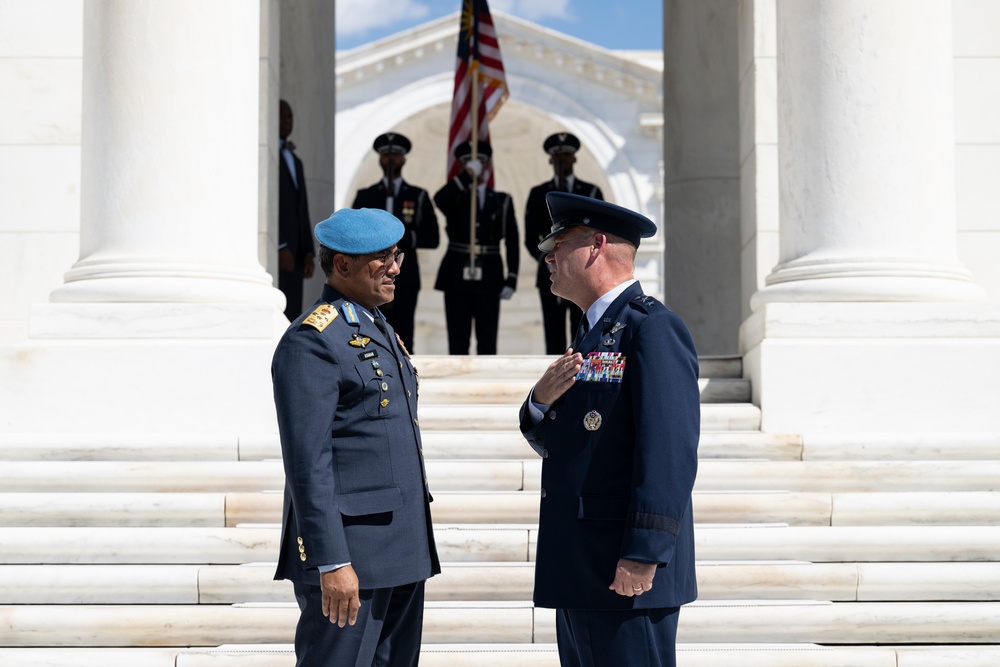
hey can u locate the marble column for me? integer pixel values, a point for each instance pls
(866, 148)
(169, 157)
(869, 324)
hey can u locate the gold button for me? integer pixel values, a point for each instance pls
(300, 541)
(302, 549)
(379, 372)
(408, 394)
(384, 402)
(416, 422)
(302, 556)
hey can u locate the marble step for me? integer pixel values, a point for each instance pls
(500, 475)
(520, 655)
(710, 507)
(504, 444)
(510, 581)
(510, 391)
(499, 542)
(902, 446)
(743, 621)
(465, 417)
(531, 367)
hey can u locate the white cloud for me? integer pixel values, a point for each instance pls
(533, 10)
(358, 16)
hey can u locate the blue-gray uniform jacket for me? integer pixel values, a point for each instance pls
(620, 454)
(355, 486)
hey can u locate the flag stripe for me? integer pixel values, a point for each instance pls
(477, 44)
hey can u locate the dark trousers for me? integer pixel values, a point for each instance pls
(400, 313)
(460, 309)
(555, 310)
(290, 283)
(387, 632)
(640, 638)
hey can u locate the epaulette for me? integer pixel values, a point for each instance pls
(645, 303)
(320, 318)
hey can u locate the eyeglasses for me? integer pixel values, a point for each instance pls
(388, 258)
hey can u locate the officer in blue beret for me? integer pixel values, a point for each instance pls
(357, 540)
(472, 294)
(412, 205)
(616, 420)
(557, 312)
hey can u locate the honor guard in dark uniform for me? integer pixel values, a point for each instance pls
(616, 421)
(413, 206)
(561, 148)
(474, 293)
(357, 541)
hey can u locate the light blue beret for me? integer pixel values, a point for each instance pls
(359, 231)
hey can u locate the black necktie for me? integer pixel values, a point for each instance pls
(581, 331)
(380, 324)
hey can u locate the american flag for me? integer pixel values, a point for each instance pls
(479, 62)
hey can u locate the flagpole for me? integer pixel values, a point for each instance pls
(474, 141)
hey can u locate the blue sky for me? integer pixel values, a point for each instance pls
(613, 24)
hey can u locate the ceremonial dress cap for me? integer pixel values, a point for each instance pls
(464, 151)
(561, 142)
(359, 231)
(568, 210)
(391, 142)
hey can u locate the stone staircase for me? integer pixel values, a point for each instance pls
(834, 551)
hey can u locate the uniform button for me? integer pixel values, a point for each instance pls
(552, 414)
(385, 386)
(416, 422)
(300, 540)
(543, 493)
(302, 556)
(408, 394)
(545, 453)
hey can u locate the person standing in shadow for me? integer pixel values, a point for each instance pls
(295, 245)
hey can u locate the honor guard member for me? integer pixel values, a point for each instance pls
(356, 539)
(474, 293)
(616, 421)
(561, 148)
(413, 206)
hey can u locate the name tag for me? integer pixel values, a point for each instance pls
(602, 367)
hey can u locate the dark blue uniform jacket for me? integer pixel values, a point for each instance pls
(355, 487)
(622, 490)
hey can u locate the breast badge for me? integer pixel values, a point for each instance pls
(357, 340)
(592, 420)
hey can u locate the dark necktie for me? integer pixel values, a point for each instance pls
(380, 324)
(581, 331)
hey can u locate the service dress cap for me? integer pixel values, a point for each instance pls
(561, 142)
(568, 210)
(391, 142)
(359, 231)
(464, 151)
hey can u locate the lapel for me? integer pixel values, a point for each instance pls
(608, 320)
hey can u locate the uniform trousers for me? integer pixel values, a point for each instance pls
(400, 313)
(460, 309)
(635, 638)
(386, 634)
(554, 313)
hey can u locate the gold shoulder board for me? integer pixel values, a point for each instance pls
(321, 317)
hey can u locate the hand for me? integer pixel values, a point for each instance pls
(557, 378)
(309, 267)
(474, 167)
(506, 292)
(340, 595)
(632, 578)
(286, 260)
